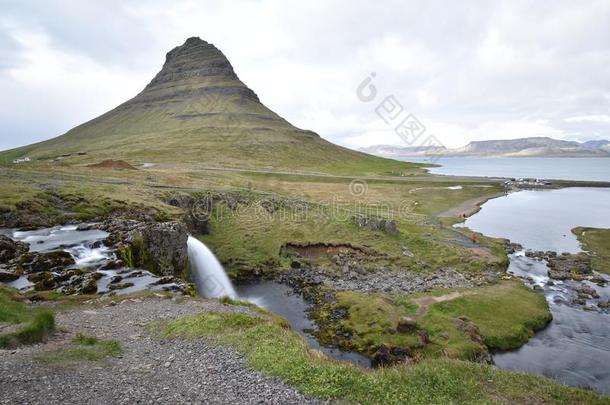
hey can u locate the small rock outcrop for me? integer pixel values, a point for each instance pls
(36, 262)
(10, 249)
(159, 247)
(383, 225)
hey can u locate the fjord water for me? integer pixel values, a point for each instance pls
(586, 169)
(542, 220)
(575, 347)
(209, 276)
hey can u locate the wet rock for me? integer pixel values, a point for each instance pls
(121, 286)
(584, 291)
(570, 266)
(35, 262)
(6, 276)
(43, 281)
(165, 280)
(579, 301)
(154, 246)
(10, 249)
(115, 279)
(604, 304)
(510, 247)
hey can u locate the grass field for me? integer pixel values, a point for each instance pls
(279, 352)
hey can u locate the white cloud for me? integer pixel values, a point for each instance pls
(590, 118)
(469, 71)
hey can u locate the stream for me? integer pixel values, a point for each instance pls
(88, 252)
(575, 347)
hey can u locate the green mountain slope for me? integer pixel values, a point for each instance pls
(196, 110)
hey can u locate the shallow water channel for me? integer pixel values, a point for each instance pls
(575, 347)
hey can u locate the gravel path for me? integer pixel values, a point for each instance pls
(150, 370)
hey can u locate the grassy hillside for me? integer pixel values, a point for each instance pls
(196, 110)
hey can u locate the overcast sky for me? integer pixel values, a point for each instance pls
(468, 70)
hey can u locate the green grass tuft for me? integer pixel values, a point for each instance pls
(35, 324)
(83, 348)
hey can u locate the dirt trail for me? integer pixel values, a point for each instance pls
(149, 370)
(425, 302)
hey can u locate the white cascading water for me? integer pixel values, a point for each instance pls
(209, 276)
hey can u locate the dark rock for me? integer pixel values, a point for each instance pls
(295, 264)
(121, 286)
(112, 265)
(584, 291)
(604, 304)
(424, 338)
(7, 276)
(387, 356)
(10, 249)
(35, 262)
(115, 279)
(97, 244)
(165, 280)
(579, 301)
(157, 247)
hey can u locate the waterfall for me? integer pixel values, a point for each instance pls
(208, 274)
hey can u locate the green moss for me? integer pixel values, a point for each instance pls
(83, 348)
(371, 322)
(501, 316)
(507, 315)
(281, 353)
(126, 255)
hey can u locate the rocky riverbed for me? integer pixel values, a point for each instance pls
(83, 259)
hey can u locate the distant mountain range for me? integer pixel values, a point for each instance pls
(523, 147)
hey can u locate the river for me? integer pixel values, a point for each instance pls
(575, 347)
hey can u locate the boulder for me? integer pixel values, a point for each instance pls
(10, 249)
(383, 225)
(159, 247)
(387, 356)
(6, 276)
(35, 262)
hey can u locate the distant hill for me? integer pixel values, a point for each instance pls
(196, 110)
(523, 147)
(398, 151)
